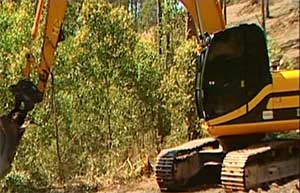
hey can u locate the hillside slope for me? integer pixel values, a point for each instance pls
(282, 28)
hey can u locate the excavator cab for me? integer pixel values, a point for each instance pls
(234, 69)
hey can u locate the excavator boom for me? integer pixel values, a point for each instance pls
(53, 34)
(26, 93)
(206, 14)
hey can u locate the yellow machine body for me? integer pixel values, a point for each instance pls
(241, 95)
(271, 107)
(280, 112)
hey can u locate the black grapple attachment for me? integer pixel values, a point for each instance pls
(11, 130)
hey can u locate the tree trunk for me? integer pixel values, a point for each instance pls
(108, 113)
(168, 39)
(225, 11)
(159, 16)
(135, 11)
(263, 15)
(268, 9)
(168, 47)
(190, 27)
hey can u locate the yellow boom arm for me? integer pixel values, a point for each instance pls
(25, 91)
(55, 16)
(207, 15)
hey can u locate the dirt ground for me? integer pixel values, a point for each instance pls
(283, 28)
(149, 186)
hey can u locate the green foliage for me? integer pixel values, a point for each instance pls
(276, 54)
(148, 15)
(19, 183)
(178, 88)
(13, 40)
(112, 94)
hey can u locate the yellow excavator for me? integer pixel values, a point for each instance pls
(238, 98)
(26, 93)
(240, 101)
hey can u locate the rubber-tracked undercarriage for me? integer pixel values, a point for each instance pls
(261, 164)
(177, 166)
(204, 161)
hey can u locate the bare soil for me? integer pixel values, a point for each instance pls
(148, 185)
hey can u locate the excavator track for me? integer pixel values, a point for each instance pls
(176, 166)
(260, 165)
